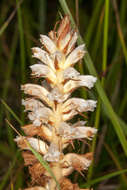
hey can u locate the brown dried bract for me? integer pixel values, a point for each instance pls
(38, 176)
(40, 131)
(29, 158)
(63, 28)
(65, 184)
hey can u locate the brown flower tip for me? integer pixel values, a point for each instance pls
(65, 184)
(41, 131)
(35, 188)
(37, 172)
(29, 158)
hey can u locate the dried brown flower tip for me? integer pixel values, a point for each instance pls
(35, 188)
(50, 109)
(65, 184)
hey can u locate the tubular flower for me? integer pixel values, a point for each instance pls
(50, 109)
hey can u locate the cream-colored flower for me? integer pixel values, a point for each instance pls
(74, 106)
(74, 56)
(48, 44)
(38, 145)
(70, 132)
(43, 56)
(37, 91)
(75, 161)
(81, 80)
(53, 153)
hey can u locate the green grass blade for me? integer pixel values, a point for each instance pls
(104, 66)
(108, 108)
(105, 38)
(100, 179)
(97, 38)
(116, 161)
(120, 33)
(93, 22)
(42, 15)
(12, 112)
(10, 134)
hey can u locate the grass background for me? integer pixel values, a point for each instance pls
(102, 27)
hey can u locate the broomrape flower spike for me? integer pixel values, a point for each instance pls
(50, 109)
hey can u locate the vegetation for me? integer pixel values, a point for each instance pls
(102, 27)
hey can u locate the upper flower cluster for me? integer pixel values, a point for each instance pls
(50, 106)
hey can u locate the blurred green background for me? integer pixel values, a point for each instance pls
(103, 27)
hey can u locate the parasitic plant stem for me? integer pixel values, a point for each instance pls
(51, 110)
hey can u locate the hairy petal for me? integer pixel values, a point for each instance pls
(32, 104)
(37, 91)
(74, 56)
(69, 132)
(81, 80)
(75, 105)
(48, 44)
(40, 70)
(42, 131)
(87, 80)
(56, 95)
(78, 162)
(53, 153)
(70, 73)
(40, 116)
(72, 43)
(39, 145)
(43, 56)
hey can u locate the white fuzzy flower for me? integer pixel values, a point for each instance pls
(49, 107)
(78, 162)
(70, 132)
(48, 44)
(53, 153)
(40, 70)
(38, 145)
(75, 105)
(32, 104)
(40, 116)
(81, 80)
(43, 56)
(74, 56)
(37, 91)
(70, 73)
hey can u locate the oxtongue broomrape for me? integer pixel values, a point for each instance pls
(50, 108)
